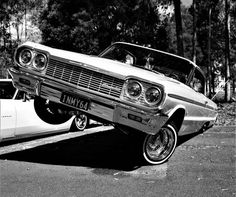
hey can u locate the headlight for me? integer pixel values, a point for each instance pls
(143, 94)
(134, 89)
(25, 57)
(153, 95)
(40, 61)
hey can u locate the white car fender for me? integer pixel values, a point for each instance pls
(8, 118)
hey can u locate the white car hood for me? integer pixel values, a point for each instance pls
(102, 65)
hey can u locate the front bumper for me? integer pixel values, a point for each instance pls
(101, 107)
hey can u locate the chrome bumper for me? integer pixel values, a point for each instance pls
(100, 107)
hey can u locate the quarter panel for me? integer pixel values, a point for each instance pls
(8, 118)
(28, 121)
(197, 110)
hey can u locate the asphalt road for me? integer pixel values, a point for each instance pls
(101, 162)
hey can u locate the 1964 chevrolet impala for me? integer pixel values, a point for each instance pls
(135, 88)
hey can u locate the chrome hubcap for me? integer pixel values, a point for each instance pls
(81, 121)
(160, 146)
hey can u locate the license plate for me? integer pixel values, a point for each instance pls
(75, 101)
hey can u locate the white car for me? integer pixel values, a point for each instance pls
(18, 118)
(140, 90)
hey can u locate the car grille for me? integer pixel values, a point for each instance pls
(85, 78)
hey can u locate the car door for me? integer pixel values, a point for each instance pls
(7, 110)
(8, 118)
(197, 107)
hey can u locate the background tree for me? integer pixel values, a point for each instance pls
(89, 26)
(194, 36)
(179, 30)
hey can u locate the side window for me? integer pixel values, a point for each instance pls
(7, 90)
(198, 82)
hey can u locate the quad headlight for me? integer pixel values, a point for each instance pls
(153, 95)
(39, 61)
(142, 93)
(134, 89)
(31, 59)
(25, 57)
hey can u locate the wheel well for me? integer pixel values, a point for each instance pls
(177, 118)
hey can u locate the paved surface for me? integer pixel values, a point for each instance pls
(100, 162)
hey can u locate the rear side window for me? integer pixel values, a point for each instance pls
(7, 90)
(198, 82)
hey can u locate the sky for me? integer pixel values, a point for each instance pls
(187, 2)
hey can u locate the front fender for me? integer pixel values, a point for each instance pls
(176, 116)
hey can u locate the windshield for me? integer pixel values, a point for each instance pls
(147, 58)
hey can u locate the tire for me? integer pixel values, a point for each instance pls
(49, 111)
(80, 122)
(158, 148)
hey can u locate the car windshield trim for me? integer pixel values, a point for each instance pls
(150, 59)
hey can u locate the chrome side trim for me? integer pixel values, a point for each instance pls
(190, 101)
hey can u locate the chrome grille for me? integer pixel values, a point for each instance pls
(85, 78)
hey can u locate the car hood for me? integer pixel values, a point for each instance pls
(121, 70)
(106, 66)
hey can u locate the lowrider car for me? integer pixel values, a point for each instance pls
(18, 118)
(135, 88)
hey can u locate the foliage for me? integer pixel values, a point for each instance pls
(226, 114)
(89, 26)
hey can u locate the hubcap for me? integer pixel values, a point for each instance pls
(81, 121)
(160, 146)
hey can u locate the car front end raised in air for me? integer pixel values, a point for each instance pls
(97, 92)
(125, 93)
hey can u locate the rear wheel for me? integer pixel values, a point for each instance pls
(80, 122)
(158, 148)
(50, 112)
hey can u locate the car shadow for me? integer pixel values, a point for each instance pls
(107, 149)
(184, 138)
(30, 138)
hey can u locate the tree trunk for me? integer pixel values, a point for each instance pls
(194, 39)
(25, 23)
(179, 29)
(209, 70)
(227, 52)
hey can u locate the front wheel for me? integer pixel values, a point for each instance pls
(158, 148)
(50, 112)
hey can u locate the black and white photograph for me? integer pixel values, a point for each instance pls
(117, 98)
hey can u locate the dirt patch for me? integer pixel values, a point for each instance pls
(226, 114)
